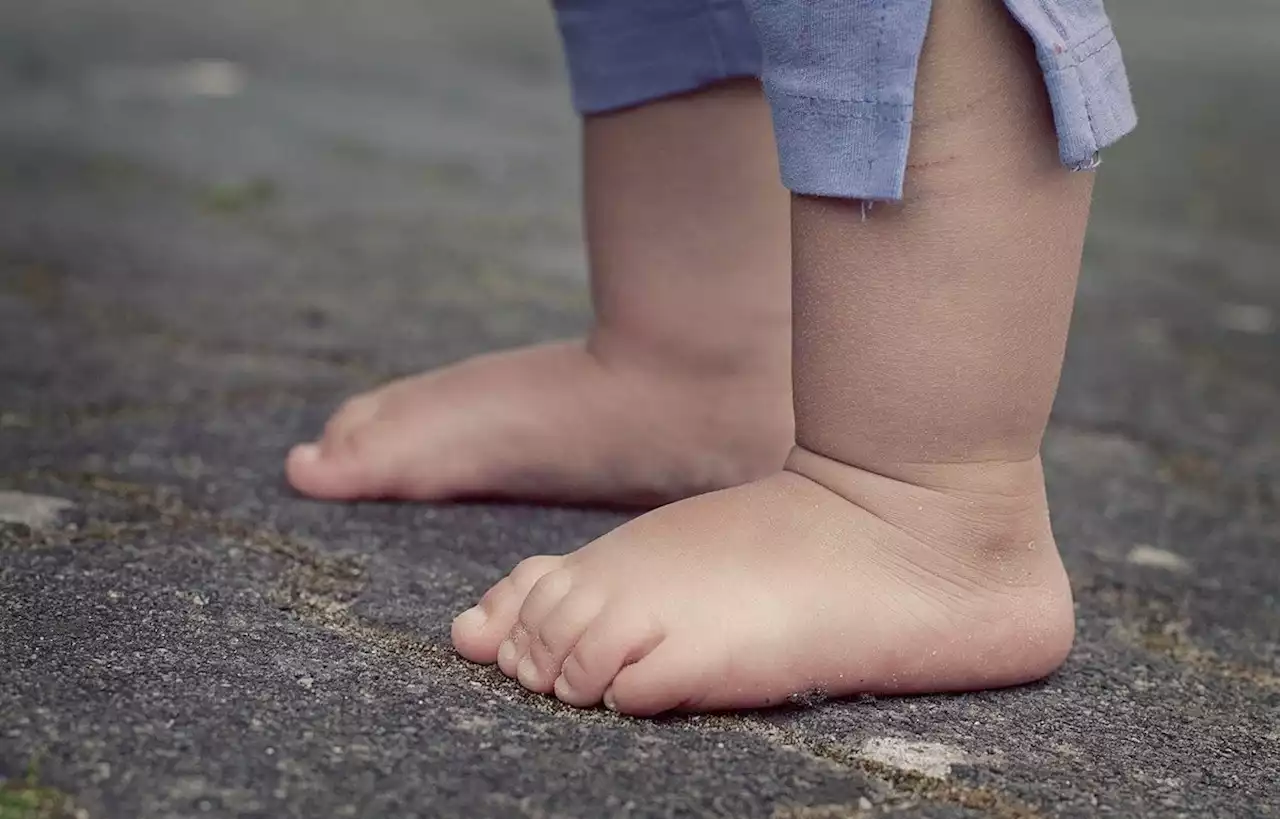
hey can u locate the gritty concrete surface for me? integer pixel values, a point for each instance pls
(218, 219)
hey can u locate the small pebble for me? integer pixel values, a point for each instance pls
(35, 511)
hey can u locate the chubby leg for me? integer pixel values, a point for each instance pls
(906, 547)
(683, 385)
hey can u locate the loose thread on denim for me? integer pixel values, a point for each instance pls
(1089, 164)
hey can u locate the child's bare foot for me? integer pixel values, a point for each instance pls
(821, 578)
(685, 385)
(907, 546)
(563, 422)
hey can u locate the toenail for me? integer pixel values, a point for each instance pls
(307, 452)
(472, 619)
(527, 672)
(609, 701)
(506, 652)
(562, 687)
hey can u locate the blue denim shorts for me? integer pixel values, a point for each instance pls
(839, 74)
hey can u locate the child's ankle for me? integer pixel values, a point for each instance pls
(760, 353)
(985, 507)
(1001, 471)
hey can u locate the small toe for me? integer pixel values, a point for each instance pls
(478, 636)
(512, 650)
(545, 595)
(353, 414)
(556, 636)
(610, 642)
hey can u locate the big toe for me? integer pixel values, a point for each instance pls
(344, 463)
(345, 472)
(480, 630)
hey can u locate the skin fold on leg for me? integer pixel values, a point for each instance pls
(906, 547)
(683, 385)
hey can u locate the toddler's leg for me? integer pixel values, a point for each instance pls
(683, 385)
(907, 546)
